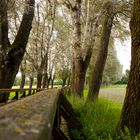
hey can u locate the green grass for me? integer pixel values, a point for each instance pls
(110, 89)
(99, 119)
(12, 94)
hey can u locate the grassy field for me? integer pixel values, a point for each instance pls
(100, 119)
(116, 93)
(12, 94)
(114, 86)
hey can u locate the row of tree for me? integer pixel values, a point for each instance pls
(52, 38)
(70, 38)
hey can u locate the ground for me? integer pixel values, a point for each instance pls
(116, 94)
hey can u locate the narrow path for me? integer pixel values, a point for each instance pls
(115, 94)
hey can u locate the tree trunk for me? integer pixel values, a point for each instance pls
(77, 80)
(31, 82)
(97, 73)
(64, 81)
(130, 116)
(40, 72)
(48, 82)
(45, 80)
(22, 70)
(4, 41)
(45, 76)
(39, 80)
(72, 77)
(22, 83)
(69, 80)
(12, 55)
(52, 81)
(80, 63)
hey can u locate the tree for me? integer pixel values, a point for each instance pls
(97, 73)
(63, 66)
(63, 43)
(41, 36)
(124, 79)
(131, 108)
(113, 68)
(11, 55)
(84, 31)
(23, 76)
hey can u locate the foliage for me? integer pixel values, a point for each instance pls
(124, 79)
(52, 34)
(17, 81)
(58, 82)
(113, 68)
(75, 134)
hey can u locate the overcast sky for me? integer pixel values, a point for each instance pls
(124, 53)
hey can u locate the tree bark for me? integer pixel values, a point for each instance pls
(22, 70)
(40, 70)
(22, 80)
(39, 80)
(50, 33)
(12, 55)
(97, 73)
(80, 63)
(31, 82)
(52, 81)
(69, 80)
(64, 81)
(77, 80)
(4, 41)
(45, 75)
(45, 80)
(130, 116)
(48, 82)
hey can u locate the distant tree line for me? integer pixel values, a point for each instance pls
(124, 79)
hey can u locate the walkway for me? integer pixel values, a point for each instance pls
(26, 119)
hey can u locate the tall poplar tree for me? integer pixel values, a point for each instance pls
(97, 73)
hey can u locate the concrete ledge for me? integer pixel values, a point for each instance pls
(30, 118)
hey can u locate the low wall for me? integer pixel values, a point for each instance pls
(30, 118)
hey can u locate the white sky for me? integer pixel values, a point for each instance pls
(124, 53)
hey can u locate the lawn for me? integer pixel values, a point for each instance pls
(100, 119)
(12, 94)
(116, 93)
